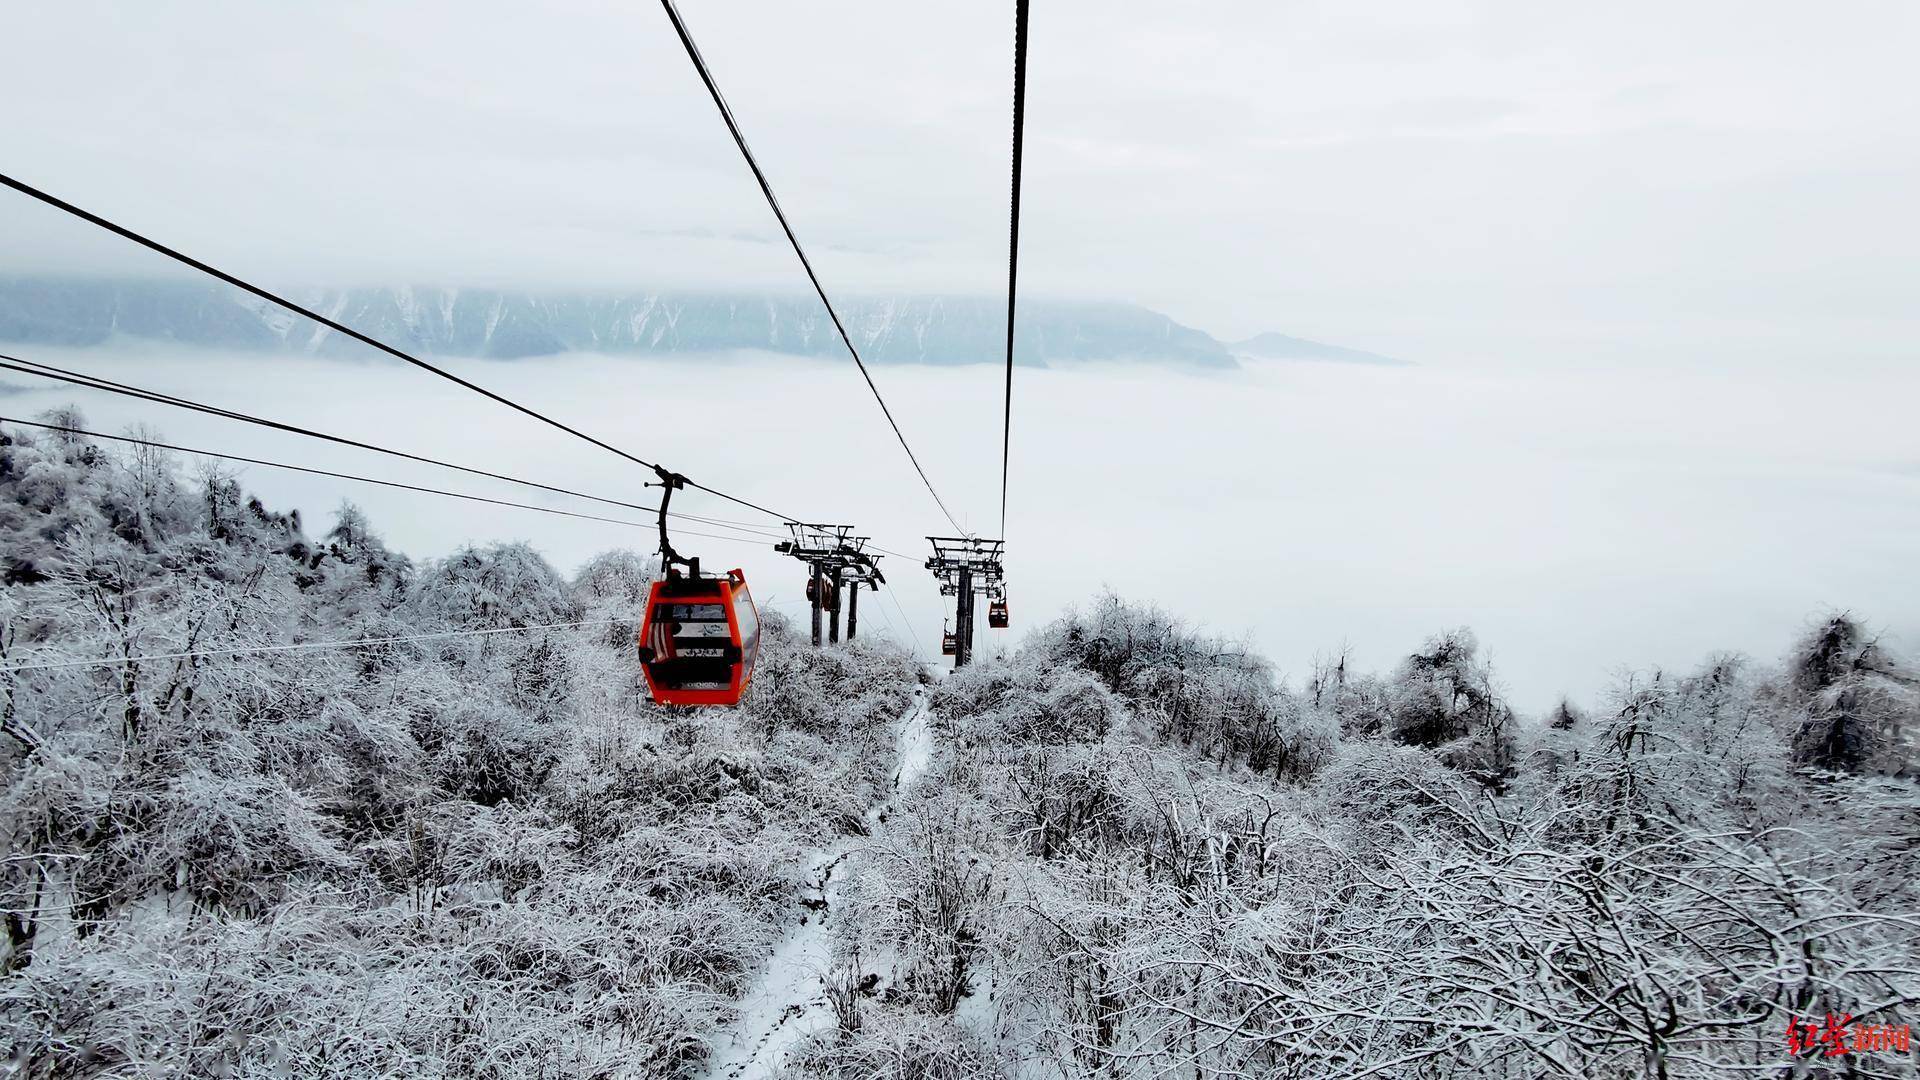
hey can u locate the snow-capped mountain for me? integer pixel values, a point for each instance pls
(506, 325)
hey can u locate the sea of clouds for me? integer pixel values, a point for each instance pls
(1581, 521)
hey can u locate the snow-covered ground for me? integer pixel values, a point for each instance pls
(788, 1002)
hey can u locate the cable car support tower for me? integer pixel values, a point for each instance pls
(966, 566)
(835, 559)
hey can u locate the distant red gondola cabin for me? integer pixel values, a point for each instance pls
(997, 614)
(699, 640)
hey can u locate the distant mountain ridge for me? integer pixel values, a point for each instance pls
(1272, 346)
(509, 325)
(498, 324)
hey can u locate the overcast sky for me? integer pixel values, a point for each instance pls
(1709, 183)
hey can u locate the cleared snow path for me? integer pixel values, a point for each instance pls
(788, 1002)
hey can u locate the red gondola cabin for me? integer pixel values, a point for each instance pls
(699, 640)
(997, 614)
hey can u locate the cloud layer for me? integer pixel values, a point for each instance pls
(1577, 523)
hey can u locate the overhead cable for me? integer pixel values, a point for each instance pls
(304, 645)
(340, 327)
(350, 476)
(95, 382)
(1013, 239)
(766, 189)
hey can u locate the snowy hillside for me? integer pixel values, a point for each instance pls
(452, 853)
(484, 323)
(468, 846)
